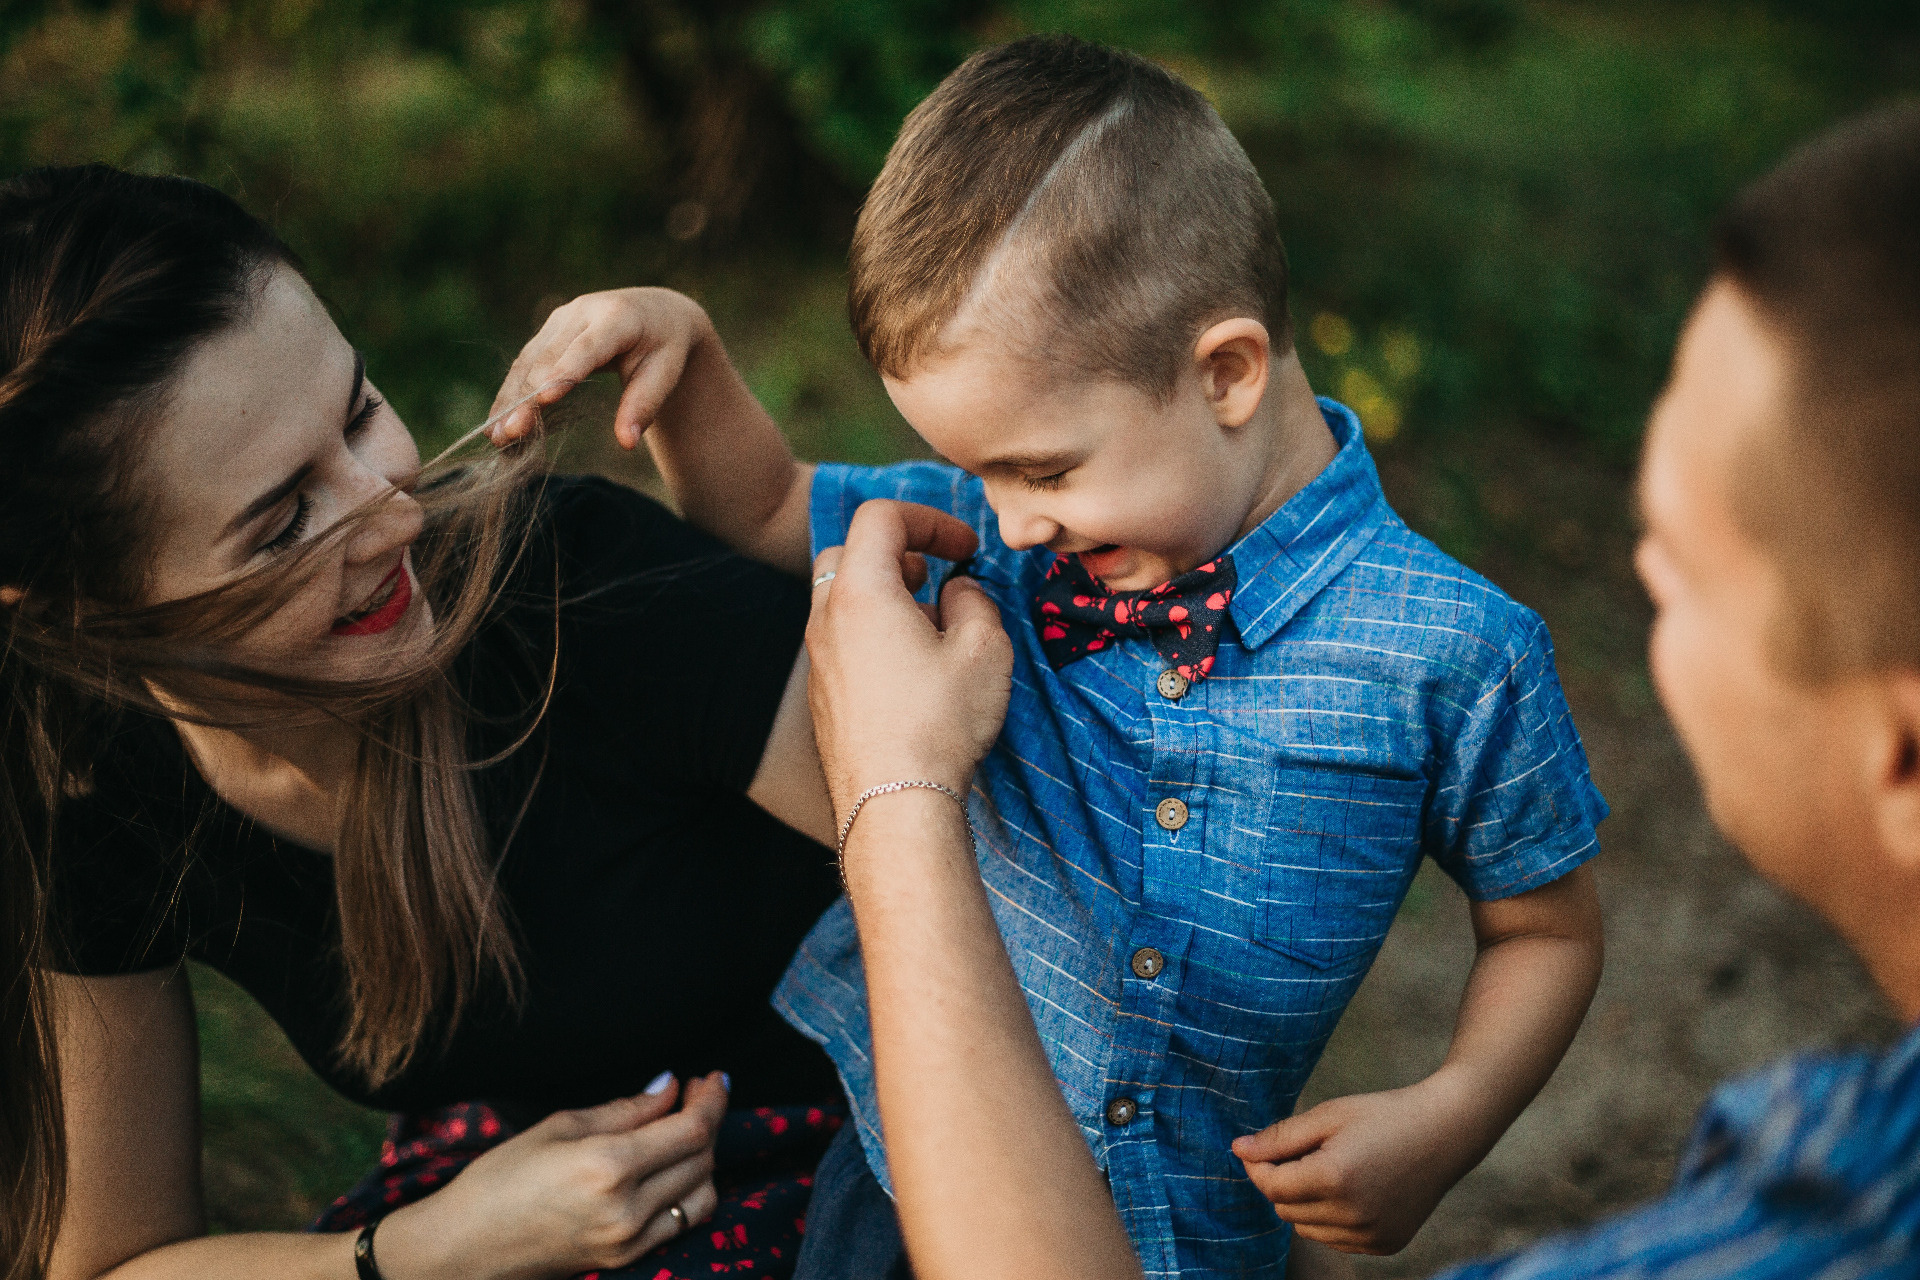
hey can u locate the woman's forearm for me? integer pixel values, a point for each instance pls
(727, 463)
(288, 1256)
(992, 1176)
(411, 1244)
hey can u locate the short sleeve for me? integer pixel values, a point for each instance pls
(1514, 806)
(673, 647)
(120, 859)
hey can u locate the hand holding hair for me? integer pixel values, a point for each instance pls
(646, 335)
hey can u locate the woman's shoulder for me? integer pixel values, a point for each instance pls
(615, 549)
(120, 841)
(596, 522)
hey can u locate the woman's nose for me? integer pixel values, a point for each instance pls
(393, 524)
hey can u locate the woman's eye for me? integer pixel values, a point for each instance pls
(358, 422)
(1053, 481)
(294, 527)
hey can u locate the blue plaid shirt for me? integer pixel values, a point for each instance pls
(1807, 1171)
(1378, 702)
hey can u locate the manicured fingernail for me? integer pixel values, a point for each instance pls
(659, 1083)
(726, 1082)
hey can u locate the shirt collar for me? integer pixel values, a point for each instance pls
(1298, 549)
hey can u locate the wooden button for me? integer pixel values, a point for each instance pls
(1173, 686)
(1147, 963)
(1171, 814)
(1121, 1111)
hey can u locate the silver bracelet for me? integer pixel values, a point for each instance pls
(885, 788)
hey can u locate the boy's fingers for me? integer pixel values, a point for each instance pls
(1288, 1139)
(1345, 1239)
(1293, 1182)
(648, 389)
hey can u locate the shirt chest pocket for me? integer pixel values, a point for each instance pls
(1341, 849)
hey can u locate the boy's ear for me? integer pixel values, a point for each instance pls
(1897, 805)
(1231, 359)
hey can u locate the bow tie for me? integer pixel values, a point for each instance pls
(1077, 616)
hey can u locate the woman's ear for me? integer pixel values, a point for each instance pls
(11, 596)
(1231, 359)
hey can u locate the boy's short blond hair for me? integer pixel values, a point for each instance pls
(1092, 207)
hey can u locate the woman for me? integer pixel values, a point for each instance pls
(457, 777)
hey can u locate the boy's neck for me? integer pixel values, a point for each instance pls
(1302, 445)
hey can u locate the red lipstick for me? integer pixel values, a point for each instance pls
(398, 588)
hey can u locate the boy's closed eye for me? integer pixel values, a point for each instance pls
(1046, 482)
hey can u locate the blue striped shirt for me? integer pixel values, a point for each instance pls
(1807, 1171)
(1373, 702)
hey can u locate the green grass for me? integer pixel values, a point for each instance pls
(279, 1145)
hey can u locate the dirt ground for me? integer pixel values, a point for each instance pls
(1710, 972)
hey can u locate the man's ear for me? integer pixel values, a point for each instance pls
(1231, 359)
(1897, 805)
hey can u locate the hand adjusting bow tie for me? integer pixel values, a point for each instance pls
(1077, 616)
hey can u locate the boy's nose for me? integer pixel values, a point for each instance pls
(1023, 529)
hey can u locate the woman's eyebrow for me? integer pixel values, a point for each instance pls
(267, 501)
(280, 492)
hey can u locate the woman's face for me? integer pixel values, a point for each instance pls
(270, 434)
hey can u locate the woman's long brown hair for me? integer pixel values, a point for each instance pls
(108, 281)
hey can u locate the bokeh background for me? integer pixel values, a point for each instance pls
(1496, 211)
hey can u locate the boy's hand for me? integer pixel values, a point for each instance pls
(1362, 1173)
(645, 334)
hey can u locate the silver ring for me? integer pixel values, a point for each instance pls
(679, 1217)
(826, 577)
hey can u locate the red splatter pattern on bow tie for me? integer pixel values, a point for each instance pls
(1184, 617)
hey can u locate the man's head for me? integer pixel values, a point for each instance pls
(1069, 276)
(1781, 490)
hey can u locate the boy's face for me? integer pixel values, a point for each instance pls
(1142, 490)
(1782, 762)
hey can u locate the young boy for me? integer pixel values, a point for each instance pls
(1247, 699)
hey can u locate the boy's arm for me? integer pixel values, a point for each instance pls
(727, 463)
(1362, 1173)
(722, 456)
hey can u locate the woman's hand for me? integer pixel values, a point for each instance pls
(899, 691)
(647, 335)
(580, 1191)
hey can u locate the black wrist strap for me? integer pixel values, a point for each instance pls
(363, 1262)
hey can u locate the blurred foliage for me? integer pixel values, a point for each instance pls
(281, 1145)
(1495, 208)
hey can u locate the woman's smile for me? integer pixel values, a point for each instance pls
(386, 606)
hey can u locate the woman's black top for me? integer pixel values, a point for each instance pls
(654, 905)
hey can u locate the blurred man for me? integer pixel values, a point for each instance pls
(1781, 499)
